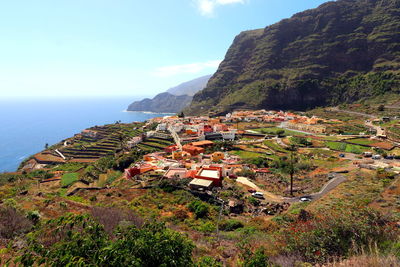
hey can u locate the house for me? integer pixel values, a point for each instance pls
(134, 141)
(161, 127)
(201, 184)
(181, 155)
(213, 174)
(176, 173)
(193, 150)
(203, 144)
(217, 156)
(90, 133)
(228, 135)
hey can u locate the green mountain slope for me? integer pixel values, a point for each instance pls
(339, 52)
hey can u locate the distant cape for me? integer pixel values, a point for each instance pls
(174, 99)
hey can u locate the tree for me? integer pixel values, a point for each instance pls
(280, 133)
(288, 166)
(381, 107)
(46, 146)
(181, 115)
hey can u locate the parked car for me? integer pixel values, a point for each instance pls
(305, 199)
(390, 157)
(341, 155)
(376, 156)
(258, 195)
(251, 191)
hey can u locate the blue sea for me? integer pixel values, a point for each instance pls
(26, 125)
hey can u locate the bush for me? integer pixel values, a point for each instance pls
(231, 225)
(253, 201)
(199, 208)
(78, 240)
(334, 235)
(208, 261)
(13, 223)
(111, 217)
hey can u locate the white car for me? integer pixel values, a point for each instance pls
(258, 195)
(305, 199)
(376, 157)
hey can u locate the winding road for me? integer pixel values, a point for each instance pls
(337, 179)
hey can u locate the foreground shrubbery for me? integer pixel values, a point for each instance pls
(78, 240)
(339, 235)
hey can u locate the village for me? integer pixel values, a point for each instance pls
(251, 150)
(220, 178)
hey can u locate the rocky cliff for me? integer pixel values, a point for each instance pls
(339, 52)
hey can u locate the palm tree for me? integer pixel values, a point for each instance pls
(289, 167)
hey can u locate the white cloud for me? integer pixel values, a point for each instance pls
(192, 68)
(207, 7)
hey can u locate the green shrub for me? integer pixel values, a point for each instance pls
(231, 225)
(199, 208)
(253, 201)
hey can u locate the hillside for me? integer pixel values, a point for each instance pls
(174, 99)
(341, 51)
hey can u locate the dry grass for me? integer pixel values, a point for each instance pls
(367, 261)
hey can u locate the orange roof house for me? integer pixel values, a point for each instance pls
(205, 143)
(193, 150)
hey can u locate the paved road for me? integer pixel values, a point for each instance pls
(330, 185)
(353, 112)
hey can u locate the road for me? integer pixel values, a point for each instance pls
(337, 179)
(353, 112)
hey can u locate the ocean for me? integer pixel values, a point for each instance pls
(26, 125)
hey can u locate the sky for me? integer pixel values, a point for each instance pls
(81, 48)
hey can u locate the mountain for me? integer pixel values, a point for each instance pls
(173, 100)
(340, 52)
(191, 87)
(163, 103)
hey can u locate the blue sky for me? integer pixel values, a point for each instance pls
(122, 47)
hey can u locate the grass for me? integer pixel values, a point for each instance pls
(274, 146)
(69, 167)
(361, 141)
(247, 154)
(356, 149)
(273, 130)
(69, 178)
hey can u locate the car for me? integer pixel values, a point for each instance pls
(251, 191)
(390, 157)
(305, 199)
(376, 156)
(341, 155)
(258, 195)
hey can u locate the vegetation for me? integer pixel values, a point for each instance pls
(294, 58)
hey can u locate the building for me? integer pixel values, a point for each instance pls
(193, 150)
(181, 155)
(213, 174)
(180, 173)
(90, 133)
(201, 184)
(217, 156)
(203, 144)
(134, 141)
